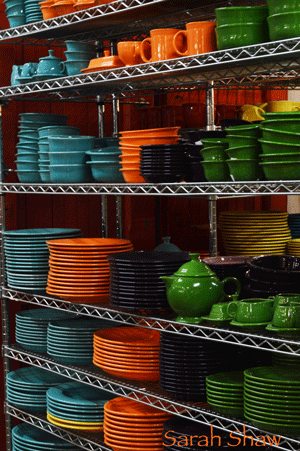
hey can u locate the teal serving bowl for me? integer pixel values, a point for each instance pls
(103, 156)
(44, 147)
(269, 134)
(278, 147)
(215, 153)
(241, 141)
(238, 14)
(209, 142)
(32, 157)
(276, 7)
(245, 170)
(275, 157)
(45, 175)
(26, 165)
(281, 170)
(79, 46)
(106, 172)
(67, 158)
(43, 156)
(74, 67)
(24, 149)
(241, 35)
(27, 176)
(72, 173)
(57, 130)
(244, 153)
(285, 125)
(216, 171)
(71, 143)
(251, 130)
(284, 25)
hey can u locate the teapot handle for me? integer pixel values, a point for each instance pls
(237, 292)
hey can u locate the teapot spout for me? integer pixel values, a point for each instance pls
(168, 280)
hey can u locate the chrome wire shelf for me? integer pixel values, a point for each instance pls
(259, 340)
(220, 189)
(200, 412)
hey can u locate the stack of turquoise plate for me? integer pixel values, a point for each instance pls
(272, 398)
(31, 327)
(26, 436)
(27, 387)
(33, 11)
(294, 224)
(225, 392)
(72, 341)
(76, 405)
(27, 254)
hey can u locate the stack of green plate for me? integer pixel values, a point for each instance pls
(272, 398)
(225, 392)
(285, 359)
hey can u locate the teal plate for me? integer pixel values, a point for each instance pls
(84, 324)
(78, 394)
(39, 232)
(76, 410)
(34, 348)
(44, 314)
(71, 360)
(80, 417)
(31, 435)
(28, 290)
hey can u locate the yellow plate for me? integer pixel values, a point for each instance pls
(79, 423)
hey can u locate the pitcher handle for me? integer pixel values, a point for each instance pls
(143, 50)
(181, 50)
(232, 309)
(238, 286)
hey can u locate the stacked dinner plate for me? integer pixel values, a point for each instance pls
(74, 405)
(163, 163)
(294, 224)
(254, 232)
(26, 257)
(225, 392)
(272, 398)
(129, 352)
(26, 436)
(135, 279)
(293, 247)
(129, 424)
(79, 269)
(31, 327)
(72, 341)
(27, 387)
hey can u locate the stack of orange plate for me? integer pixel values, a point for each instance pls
(79, 268)
(132, 426)
(129, 352)
(131, 142)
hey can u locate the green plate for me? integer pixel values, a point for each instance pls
(256, 401)
(274, 374)
(216, 322)
(283, 330)
(271, 388)
(273, 427)
(228, 379)
(267, 416)
(249, 326)
(224, 390)
(267, 395)
(223, 393)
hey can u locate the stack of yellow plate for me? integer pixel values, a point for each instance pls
(254, 232)
(293, 247)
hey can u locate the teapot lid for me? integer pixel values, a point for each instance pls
(50, 56)
(194, 268)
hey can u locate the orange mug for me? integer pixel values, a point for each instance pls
(199, 37)
(159, 46)
(130, 52)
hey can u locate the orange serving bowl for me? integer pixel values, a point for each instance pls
(47, 10)
(130, 165)
(81, 5)
(132, 175)
(152, 132)
(63, 7)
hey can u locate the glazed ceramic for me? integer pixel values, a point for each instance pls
(251, 310)
(286, 316)
(194, 288)
(199, 37)
(50, 65)
(159, 46)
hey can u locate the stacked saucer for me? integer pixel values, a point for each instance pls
(294, 224)
(135, 279)
(272, 399)
(74, 405)
(293, 247)
(26, 436)
(31, 327)
(79, 269)
(129, 424)
(163, 163)
(72, 341)
(27, 387)
(128, 352)
(27, 255)
(225, 392)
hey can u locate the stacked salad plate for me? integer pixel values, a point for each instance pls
(27, 257)
(27, 387)
(31, 327)
(225, 392)
(129, 352)
(272, 398)
(72, 341)
(77, 406)
(26, 436)
(294, 224)
(130, 425)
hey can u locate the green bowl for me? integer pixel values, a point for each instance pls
(244, 153)
(241, 34)
(251, 130)
(215, 153)
(275, 157)
(245, 170)
(216, 171)
(237, 14)
(281, 170)
(284, 25)
(276, 7)
(281, 115)
(278, 147)
(241, 141)
(269, 134)
(285, 125)
(209, 142)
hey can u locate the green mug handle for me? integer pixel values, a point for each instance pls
(235, 295)
(232, 309)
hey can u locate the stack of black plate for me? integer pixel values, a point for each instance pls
(163, 163)
(135, 282)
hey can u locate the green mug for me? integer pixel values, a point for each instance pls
(285, 298)
(287, 316)
(219, 311)
(251, 310)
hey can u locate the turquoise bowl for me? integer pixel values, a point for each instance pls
(241, 35)
(71, 143)
(72, 173)
(27, 176)
(74, 67)
(26, 165)
(103, 156)
(238, 14)
(67, 158)
(45, 175)
(275, 157)
(43, 156)
(281, 170)
(244, 153)
(44, 147)
(55, 130)
(106, 142)
(245, 170)
(46, 118)
(79, 55)
(79, 46)
(269, 134)
(278, 147)
(285, 125)
(17, 20)
(32, 157)
(284, 25)
(216, 171)
(251, 130)
(106, 172)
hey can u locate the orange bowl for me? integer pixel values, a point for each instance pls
(80, 6)
(130, 165)
(131, 151)
(47, 10)
(152, 132)
(145, 140)
(63, 7)
(132, 175)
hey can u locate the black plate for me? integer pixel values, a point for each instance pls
(137, 282)
(150, 257)
(151, 178)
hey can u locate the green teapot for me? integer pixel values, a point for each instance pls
(194, 288)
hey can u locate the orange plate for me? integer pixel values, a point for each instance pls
(91, 299)
(127, 357)
(131, 431)
(127, 366)
(133, 435)
(89, 242)
(66, 259)
(136, 448)
(122, 440)
(120, 348)
(132, 336)
(130, 408)
(77, 292)
(79, 264)
(135, 422)
(81, 253)
(100, 285)
(129, 426)
(151, 131)
(77, 278)
(129, 374)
